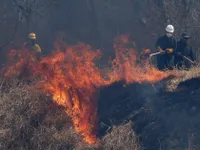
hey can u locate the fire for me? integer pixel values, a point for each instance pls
(126, 66)
(18, 61)
(72, 78)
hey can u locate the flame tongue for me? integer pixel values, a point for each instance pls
(125, 64)
(79, 108)
(72, 78)
(73, 82)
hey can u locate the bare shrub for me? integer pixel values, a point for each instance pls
(121, 137)
(31, 121)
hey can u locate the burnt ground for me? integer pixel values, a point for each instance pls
(162, 120)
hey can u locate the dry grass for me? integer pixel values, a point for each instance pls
(183, 75)
(121, 138)
(30, 120)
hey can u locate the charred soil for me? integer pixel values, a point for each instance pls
(161, 120)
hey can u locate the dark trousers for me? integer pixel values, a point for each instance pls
(165, 61)
(180, 63)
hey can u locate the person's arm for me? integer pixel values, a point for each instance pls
(37, 51)
(191, 54)
(174, 45)
(37, 48)
(158, 46)
(172, 48)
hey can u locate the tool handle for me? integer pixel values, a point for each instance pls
(184, 57)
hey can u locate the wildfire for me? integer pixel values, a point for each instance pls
(126, 66)
(72, 78)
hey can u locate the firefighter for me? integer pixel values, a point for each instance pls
(33, 46)
(30, 59)
(183, 48)
(166, 44)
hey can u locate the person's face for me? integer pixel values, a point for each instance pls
(169, 34)
(32, 41)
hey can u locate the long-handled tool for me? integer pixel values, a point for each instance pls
(155, 54)
(174, 53)
(186, 58)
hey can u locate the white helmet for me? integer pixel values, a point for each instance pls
(170, 29)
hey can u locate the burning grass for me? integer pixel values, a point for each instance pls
(29, 120)
(72, 79)
(57, 109)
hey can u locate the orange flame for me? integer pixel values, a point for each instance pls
(128, 68)
(18, 61)
(72, 78)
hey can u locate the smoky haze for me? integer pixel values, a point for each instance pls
(95, 22)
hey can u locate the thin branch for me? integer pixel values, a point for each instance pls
(20, 7)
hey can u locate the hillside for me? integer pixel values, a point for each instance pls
(138, 116)
(163, 115)
(89, 91)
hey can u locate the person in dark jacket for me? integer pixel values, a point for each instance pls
(184, 49)
(166, 44)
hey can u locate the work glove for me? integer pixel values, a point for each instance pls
(159, 49)
(169, 50)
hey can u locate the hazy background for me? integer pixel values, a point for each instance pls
(96, 22)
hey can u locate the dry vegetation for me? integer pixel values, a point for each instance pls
(121, 138)
(183, 75)
(30, 120)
